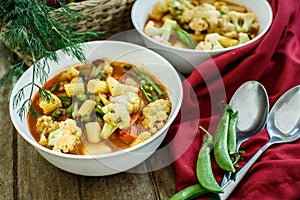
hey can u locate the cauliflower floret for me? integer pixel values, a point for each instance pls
(66, 137)
(242, 21)
(209, 13)
(160, 34)
(151, 30)
(225, 24)
(198, 25)
(243, 37)
(177, 7)
(71, 126)
(117, 88)
(129, 99)
(116, 115)
(200, 18)
(122, 99)
(63, 142)
(211, 40)
(43, 140)
(186, 16)
(204, 46)
(155, 114)
(44, 126)
(135, 100)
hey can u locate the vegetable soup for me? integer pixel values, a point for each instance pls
(98, 108)
(201, 24)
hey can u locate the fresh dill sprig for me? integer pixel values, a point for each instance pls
(30, 28)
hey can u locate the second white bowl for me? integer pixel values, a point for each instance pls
(185, 60)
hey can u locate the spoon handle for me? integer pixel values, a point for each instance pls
(231, 184)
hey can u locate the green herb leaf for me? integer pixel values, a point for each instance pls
(29, 27)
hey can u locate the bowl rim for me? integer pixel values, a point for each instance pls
(112, 154)
(135, 9)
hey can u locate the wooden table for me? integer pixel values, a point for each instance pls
(24, 174)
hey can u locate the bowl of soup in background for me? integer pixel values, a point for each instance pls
(115, 162)
(185, 60)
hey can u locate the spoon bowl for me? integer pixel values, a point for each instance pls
(284, 120)
(283, 125)
(252, 103)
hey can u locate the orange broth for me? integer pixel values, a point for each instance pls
(116, 141)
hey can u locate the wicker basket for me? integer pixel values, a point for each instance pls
(110, 16)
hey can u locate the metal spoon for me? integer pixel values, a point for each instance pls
(283, 125)
(252, 103)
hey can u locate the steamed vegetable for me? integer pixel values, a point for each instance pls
(111, 110)
(204, 25)
(204, 171)
(161, 34)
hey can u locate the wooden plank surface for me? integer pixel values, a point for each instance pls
(7, 137)
(24, 174)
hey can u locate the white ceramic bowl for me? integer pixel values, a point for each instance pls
(115, 162)
(185, 60)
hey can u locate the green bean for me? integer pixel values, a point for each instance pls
(128, 66)
(149, 81)
(154, 86)
(204, 171)
(85, 118)
(189, 192)
(57, 113)
(99, 111)
(222, 12)
(82, 97)
(146, 94)
(184, 37)
(231, 143)
(71, 108)
(66, 101)
(100, 76)
(54, 87)
(221, 149)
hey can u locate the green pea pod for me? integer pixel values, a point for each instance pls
(185, 38)
(231, 143)
(204, 171)
(221, 149)
(189, 192)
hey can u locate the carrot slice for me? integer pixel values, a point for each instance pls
(134, 118)
(127, 138)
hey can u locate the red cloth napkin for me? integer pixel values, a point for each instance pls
(274, 61)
